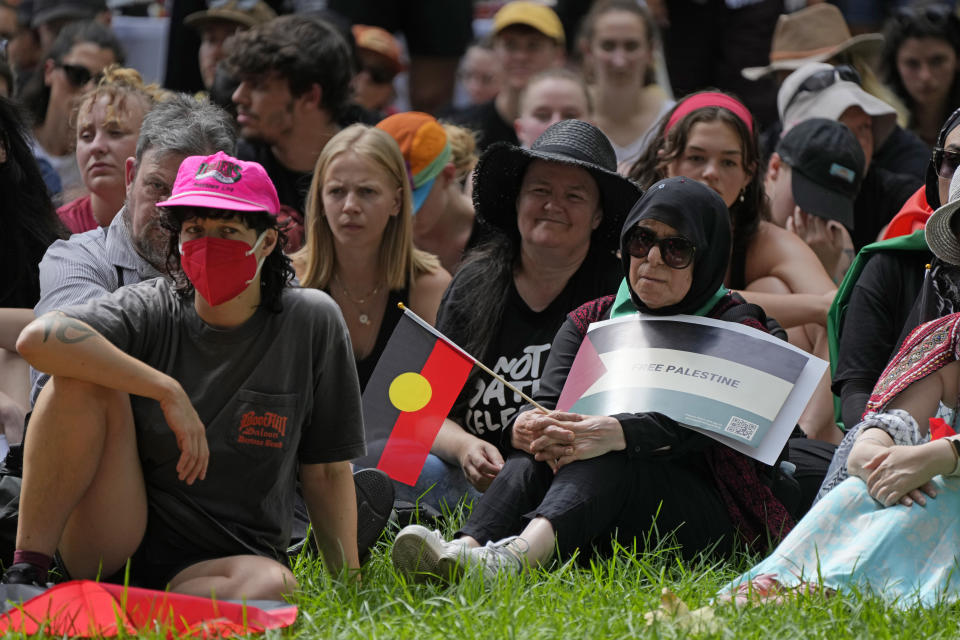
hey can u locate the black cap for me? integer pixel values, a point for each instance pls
(827, 166)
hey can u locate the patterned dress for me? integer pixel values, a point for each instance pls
(906, 555)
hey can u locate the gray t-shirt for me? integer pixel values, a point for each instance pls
(279, 390)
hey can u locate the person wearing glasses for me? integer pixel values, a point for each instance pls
(892, 292)
(71, 66)
(711, 137)
(920, 62)
(819, 90)
(580, 482)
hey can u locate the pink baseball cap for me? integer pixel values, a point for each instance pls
(221, 181)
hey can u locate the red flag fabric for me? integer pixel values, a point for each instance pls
(940, 429)
(83, 608)
(414, 385)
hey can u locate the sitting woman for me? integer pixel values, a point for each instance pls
(576, 481)
(108, 122)
(360, 244)
(711, 137)
(865, 531)
(552, 214)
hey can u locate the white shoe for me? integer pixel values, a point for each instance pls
(422, 554)
(497, 559)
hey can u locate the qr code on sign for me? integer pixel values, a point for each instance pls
(743, 428)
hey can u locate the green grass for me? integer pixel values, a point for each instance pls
(606, 599)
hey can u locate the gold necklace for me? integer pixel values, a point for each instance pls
(358, 302)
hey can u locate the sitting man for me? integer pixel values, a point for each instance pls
(812, 181)
(134, 246)
(818, 90)
(180, 413)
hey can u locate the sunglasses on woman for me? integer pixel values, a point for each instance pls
(78, 76)
(822, 79)
(676, 252)
(945, 162)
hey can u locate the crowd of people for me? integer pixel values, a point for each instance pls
(201, 283)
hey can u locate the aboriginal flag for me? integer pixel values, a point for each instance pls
(417, 379)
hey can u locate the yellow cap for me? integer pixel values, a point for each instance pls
(532, 14)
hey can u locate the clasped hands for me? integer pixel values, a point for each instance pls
(902, 474)
(559, 438)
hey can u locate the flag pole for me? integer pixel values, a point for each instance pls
(505, 382)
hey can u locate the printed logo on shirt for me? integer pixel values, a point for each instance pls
(492, 405)
(222, 171)
(266, 430)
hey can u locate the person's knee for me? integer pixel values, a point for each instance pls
(269, 584)
(80, 392)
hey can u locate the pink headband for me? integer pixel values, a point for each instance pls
(710, 99)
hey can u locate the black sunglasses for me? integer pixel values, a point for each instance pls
(945, 162)
(78, 75)
(823, 79)
(676, 252)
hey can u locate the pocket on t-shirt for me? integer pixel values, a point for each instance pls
(261, 423)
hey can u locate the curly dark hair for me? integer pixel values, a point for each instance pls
(928, 20)
(745, 213)
(30, 222)
(277, 270)
(304, 50)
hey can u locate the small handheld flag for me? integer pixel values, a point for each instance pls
(410, 393)
(412, 389)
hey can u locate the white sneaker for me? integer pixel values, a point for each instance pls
(496, 559)
(422, 554)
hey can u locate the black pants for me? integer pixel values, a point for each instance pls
(592, 502)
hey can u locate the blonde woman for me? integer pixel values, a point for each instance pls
(360, 241)
(108, 119)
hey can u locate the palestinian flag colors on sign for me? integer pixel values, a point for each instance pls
(414, 385)
(717, 376)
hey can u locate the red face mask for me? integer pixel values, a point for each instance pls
(220, 269)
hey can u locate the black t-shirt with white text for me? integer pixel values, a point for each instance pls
(520, 347)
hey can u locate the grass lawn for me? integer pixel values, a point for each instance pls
(604, 599)
(608, 599)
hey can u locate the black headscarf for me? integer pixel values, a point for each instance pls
(699, 215)
(933, 183)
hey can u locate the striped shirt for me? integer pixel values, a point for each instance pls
(87, 266)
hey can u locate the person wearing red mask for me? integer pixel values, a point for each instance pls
(183, 411)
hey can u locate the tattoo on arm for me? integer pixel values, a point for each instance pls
(62, 323)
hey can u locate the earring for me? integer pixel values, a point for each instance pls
(741, 195)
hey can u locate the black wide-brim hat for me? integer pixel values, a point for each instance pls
(500, 171)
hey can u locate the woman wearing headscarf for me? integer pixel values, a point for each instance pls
(889, 291)
(578, 481)
(868, 531)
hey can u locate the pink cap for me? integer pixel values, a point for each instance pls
(223, 182)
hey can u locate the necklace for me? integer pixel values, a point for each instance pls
(358, 302)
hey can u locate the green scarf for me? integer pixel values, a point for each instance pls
(623, 303)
